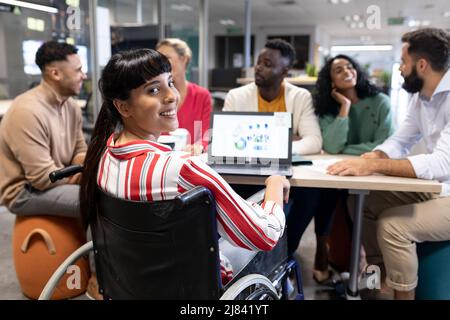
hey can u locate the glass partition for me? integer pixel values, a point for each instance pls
(23, 30)
(182, 19)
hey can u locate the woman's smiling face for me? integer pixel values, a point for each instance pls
(151, 107)
(343, 74)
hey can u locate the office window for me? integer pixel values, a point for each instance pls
(301, 46)
(230, 51)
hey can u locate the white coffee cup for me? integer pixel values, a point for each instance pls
(181, 138)
(169, 140)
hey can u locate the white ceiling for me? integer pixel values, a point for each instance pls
(330, 18)
(291, 14)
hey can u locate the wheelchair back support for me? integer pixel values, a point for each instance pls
(159, 250)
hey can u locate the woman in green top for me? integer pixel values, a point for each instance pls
(354, 117)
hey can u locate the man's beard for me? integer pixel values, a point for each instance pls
(413, 83)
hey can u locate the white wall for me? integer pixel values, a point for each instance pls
(323, 40)
(103, 36)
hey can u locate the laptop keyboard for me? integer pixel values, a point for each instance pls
(252, 170)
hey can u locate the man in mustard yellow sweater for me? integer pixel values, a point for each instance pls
(272, 93)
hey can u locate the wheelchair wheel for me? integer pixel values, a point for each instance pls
(260, 293)
(251, 287)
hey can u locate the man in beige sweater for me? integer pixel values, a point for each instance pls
(42, 132)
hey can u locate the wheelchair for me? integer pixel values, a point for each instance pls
(170, 250)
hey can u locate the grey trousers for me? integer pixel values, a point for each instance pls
(60, 201)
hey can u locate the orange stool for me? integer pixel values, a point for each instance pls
(40, 245)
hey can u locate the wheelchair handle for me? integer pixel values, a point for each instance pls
(65, 172)
(189, 197)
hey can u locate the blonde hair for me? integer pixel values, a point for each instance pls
(180, 47)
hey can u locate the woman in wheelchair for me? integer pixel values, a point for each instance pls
(139, 102)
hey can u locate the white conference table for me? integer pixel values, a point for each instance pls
(315, 177)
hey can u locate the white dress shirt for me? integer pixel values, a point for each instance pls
(429, 120)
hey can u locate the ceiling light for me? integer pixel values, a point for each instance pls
(447, 14)
(35, 24)
(339, 1)
(412, 23)
(227, 22)
(73, 3)
(387, 47)
(30, 5)
(181, 7)
(348, 18)
(418, 23)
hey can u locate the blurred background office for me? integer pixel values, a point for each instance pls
(225, 38)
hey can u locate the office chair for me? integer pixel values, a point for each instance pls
(434, 271)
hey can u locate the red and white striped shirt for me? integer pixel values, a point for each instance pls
(148, 171)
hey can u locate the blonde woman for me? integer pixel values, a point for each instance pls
(195, 102)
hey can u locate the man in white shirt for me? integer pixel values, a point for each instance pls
(395, 221)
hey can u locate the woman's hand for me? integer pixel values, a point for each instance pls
(274, 184)
(194, 149)
(343, 101)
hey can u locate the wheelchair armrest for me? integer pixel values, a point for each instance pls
(65, 172)
(190, 197)
(258, 197)
(47, 293)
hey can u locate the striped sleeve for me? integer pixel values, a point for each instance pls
(244, 224)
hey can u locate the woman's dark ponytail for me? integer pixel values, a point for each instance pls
(107, 121)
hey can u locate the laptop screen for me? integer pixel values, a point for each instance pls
(251, 135)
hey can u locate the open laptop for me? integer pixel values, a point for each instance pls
(251, 143)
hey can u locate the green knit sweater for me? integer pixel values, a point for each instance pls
(368, 124)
